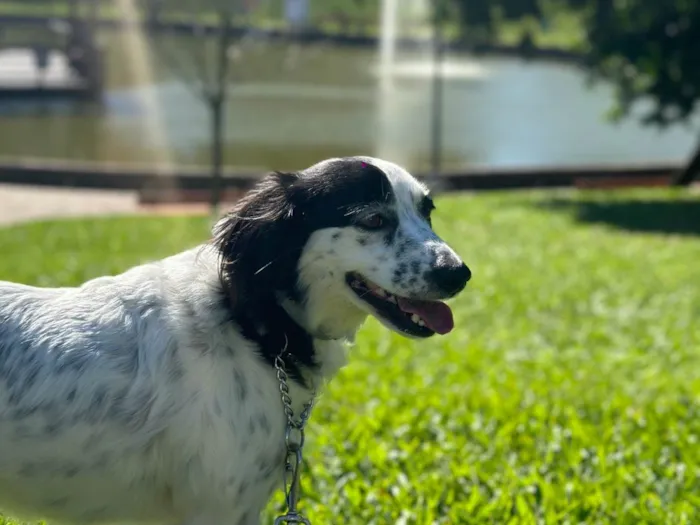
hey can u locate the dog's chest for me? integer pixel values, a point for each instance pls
(230, 437)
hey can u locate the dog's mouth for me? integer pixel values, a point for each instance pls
(413, 317)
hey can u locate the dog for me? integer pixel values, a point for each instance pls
(153, 395)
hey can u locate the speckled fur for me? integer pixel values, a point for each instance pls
(136, 398)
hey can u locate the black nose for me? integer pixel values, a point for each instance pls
(451, 279)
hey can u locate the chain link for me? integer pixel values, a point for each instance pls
(294, 443)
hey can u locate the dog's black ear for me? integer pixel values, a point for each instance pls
(260, 242)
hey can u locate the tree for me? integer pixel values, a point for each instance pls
(647, 49)
(203, 59)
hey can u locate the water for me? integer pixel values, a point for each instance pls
(293, 105)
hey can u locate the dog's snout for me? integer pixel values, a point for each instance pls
(452, 278)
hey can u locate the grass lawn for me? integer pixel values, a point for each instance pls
(568, 393)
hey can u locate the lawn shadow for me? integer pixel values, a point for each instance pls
(672, 217)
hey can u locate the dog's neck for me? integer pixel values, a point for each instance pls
(319, 324)
(308, 356)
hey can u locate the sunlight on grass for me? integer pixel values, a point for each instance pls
(568, 392)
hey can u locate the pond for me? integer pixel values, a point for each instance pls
(292, 105)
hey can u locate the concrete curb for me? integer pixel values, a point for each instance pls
(192, 184)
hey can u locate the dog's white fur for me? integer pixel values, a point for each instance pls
(182, 446)
(131, 399)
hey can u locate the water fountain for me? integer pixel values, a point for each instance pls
(386, 95)
(141, 70)
(405, 79)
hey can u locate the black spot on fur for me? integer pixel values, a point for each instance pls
(98, 404)
(18, 414)
(52, 429)
(71, 395)
(129, 363)
(19, 369)
(241, 384)
(96, 514)
(399, 273)
(268, 468)
(264, 423)
(131, 409)
(75, 361)
(58, 503)
(71, 471)
(400, 249)
(176, 369)
(242, 488)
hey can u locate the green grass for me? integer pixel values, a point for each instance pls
(568, 392)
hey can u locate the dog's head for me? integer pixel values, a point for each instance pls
(338, 241)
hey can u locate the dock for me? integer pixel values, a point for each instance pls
(22, 77)
(59, 58)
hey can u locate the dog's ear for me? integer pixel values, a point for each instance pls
(259, 242)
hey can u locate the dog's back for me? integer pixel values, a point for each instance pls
(132, 399)
(77, 396)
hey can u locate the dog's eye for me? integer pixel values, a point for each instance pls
(372, 222)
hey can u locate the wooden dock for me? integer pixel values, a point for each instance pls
(21, 76)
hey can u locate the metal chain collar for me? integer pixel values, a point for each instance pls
(294, 443)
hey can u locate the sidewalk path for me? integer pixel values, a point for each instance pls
(31, 203)
(28, 203)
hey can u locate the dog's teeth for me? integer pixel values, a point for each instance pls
(415, 318)
(393, 299)
(380, 292)
(421, 323)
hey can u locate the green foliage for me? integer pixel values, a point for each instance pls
(568, 392)
(646, 48)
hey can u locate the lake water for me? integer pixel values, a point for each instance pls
(293, 105)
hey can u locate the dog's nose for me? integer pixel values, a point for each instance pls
(451, 279)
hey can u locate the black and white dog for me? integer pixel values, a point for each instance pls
(152, 396)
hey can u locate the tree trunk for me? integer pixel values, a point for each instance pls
(153, 9)
(690, 172)
(217, 108)
(437, 97)
(218, 112)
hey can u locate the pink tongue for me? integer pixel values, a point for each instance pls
(437, 315)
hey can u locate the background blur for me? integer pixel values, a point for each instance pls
(184, 87)
(569, 391)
